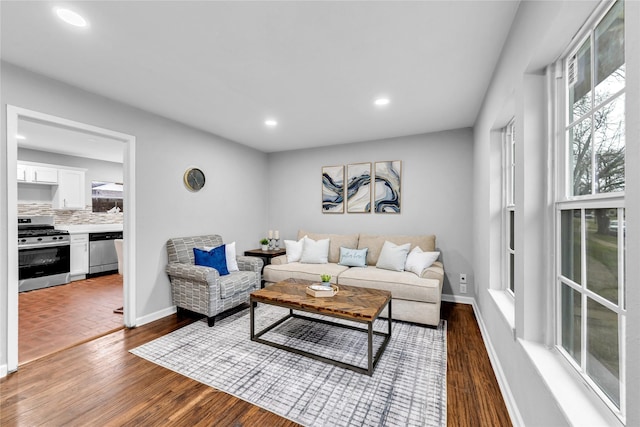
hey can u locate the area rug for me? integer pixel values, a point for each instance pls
(407, 388)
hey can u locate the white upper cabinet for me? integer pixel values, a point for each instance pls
(37, 174)
(70, 191)
(67, 184)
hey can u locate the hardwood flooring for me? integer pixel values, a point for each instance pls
(55, 318)
(100, 383)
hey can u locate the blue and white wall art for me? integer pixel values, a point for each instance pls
(387, 186)
(333, 189)
(359, 188)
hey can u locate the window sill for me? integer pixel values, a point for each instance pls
(506, 305)
(580, 405)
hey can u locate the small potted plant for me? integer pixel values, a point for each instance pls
(265, 244)
(325, 279)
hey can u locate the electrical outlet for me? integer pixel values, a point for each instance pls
(463, 288)
(463, 277)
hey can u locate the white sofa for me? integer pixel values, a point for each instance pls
(414, 298)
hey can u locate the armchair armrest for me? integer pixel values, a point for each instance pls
(435, 271)
(196, 273)
(278, 260)
(249, 263)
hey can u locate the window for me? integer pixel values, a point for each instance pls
(107, 196)
(509, 147)
(590, 210)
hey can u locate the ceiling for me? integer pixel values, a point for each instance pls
(315, 67)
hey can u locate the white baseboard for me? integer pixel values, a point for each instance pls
(458, 299)
(152, 317)
(3, 371)
(509, 399)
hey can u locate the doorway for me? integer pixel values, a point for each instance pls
(14, 117)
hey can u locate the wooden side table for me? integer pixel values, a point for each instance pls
(265, 255)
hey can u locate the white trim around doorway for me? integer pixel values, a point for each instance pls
(14, 114)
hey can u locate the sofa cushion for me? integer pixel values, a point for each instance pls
(215, 258)
(298, 270)
(417, 260)
(392, 256)
(230, 255)
(374, 244)
(294, 249)
(353, 257)
(402, 284)
(315, 252)
(335, 242)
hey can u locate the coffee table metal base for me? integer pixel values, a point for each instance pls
(372, 360)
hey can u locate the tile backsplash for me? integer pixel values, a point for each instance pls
(76, 216)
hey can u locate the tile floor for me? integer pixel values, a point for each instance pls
(52, 319)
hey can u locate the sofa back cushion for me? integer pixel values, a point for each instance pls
(335, 242)
(375, 242)
(180, 249)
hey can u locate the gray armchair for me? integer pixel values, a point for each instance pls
(201, 289)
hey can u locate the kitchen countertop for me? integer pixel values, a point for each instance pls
(88, 228)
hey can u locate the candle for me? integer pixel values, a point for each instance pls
(271, 234)
(277, 234)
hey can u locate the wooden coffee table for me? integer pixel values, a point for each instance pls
(362, 305)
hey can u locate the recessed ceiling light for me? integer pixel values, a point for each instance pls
(18, 136)
(271, 123)
(381, 101)
(71, 17)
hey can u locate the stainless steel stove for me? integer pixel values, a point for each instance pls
(43, 252)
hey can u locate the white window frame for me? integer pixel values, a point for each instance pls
(566, 201)
(508, 197)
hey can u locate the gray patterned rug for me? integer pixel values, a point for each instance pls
(408, 387)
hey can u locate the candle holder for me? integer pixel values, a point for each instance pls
(274, 243)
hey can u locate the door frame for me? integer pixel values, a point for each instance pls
(14, 114)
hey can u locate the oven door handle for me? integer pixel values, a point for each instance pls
(43, 245)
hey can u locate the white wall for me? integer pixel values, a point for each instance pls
(228, 204)
(436, 193)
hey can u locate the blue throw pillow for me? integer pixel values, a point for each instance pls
(215, 258)
(353, 257)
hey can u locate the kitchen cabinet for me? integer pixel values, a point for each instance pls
(79, 256)
(70, 191)
(34, 173)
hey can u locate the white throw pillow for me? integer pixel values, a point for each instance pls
(294, 249)
(315, 252)
(417, 260)
(392, 256)
(229, 254)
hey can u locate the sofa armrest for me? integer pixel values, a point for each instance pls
(278, 260)
(435, 271)
(249, 263)
(196, 273)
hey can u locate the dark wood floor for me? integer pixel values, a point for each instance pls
(55, 318)
(101, 383)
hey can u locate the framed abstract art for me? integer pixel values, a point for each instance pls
(359, 188)
(388, 177)
(333, 189)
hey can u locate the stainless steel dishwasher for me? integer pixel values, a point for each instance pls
(103, 258)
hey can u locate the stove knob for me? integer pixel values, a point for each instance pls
(55, 238)
(39, 239)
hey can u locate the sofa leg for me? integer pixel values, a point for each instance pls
(211, 321)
